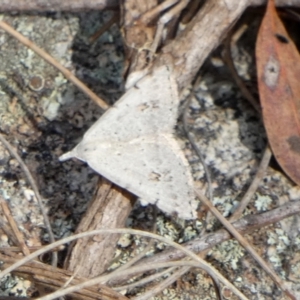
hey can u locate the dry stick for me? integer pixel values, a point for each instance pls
(199, 154)
(132, 270)
(10, 250)
(54, 63)
(148, 16)
(143, 281)
(254, 185)
(36, 192)
(195, 147)
(244, 243)
(166, 18)
(14, 226)
(104, 28)
(240, 83)
(196, 260)
(167, 282)
(171, 279)
(162, 285)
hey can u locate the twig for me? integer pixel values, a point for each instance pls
(14, 226)
(195, 147)
(133, 270)
(162, 285)
(13, 249)
(143, 281)
(36, 192)
(254, 185)
(245, 244)
(239, 82)
(53, 279)
(196, 260)
(104, 28)
(54, 63)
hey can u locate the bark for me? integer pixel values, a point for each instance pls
(109, 209)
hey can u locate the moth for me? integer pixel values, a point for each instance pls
(134, 146)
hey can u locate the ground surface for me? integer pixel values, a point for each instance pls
(44, 122)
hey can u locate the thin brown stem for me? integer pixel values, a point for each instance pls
(254, 185)
(36, 192)
(14, 226)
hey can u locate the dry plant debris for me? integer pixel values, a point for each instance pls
(230, 144)
(278, 67)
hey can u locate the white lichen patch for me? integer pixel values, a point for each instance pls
(188, 234)
(229, 253)
(226, 204)
(279, 239)
(125, 240)
(262, 202)
(274, 257)
(21, 288)
(12, 285)
(279, 246)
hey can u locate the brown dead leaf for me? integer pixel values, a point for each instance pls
(278, 71)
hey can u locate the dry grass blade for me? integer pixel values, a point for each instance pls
(143, 281)
(253, 186)
(278, 72)
(230, 64)
(197, 261)
(162, 285)
(132, 271)
(35, 189)
(52, 279)
(14, 226)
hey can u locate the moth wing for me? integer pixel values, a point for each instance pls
(151, 167)
(149, 107)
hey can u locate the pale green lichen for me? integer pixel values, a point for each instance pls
(229, 253)
(279, 239)
(262, 202)
(226, 204)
